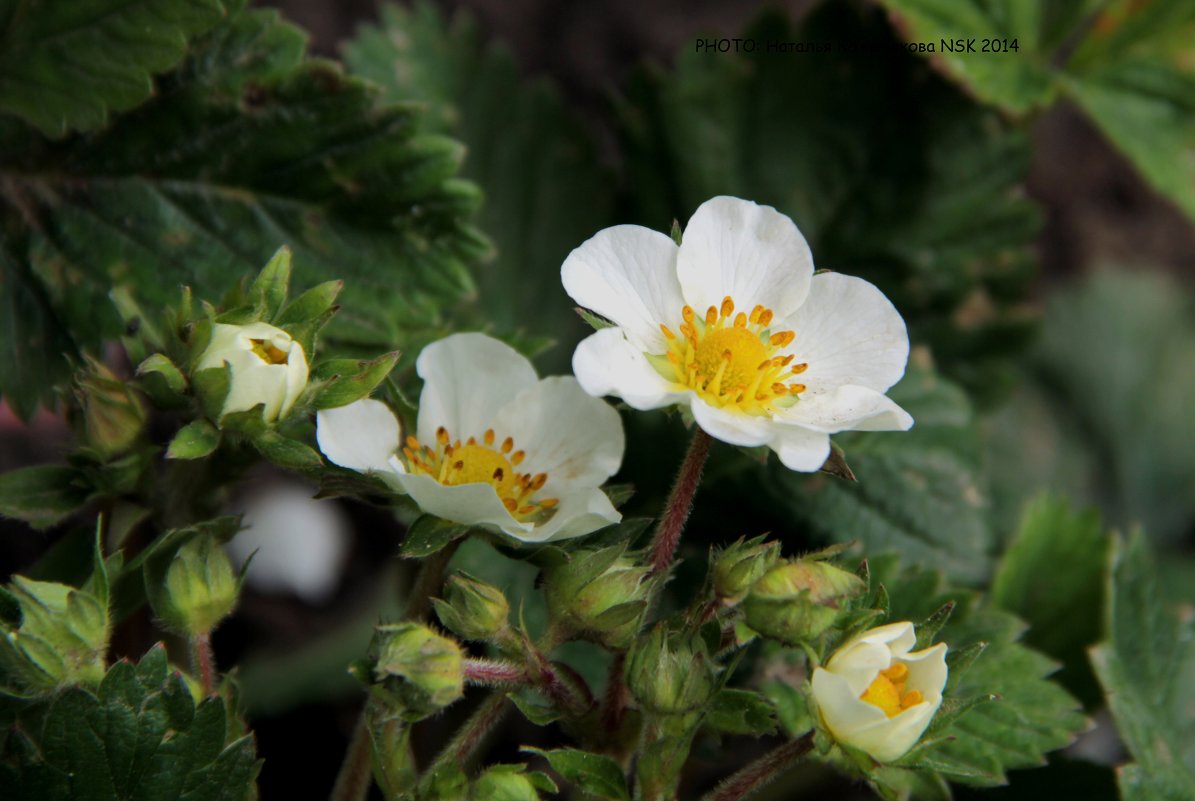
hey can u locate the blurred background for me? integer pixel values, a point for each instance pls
(1054, 296)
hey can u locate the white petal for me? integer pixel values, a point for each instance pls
(750, 252)
(467, 379)
(627, 274)
(848, 333)
(738, 429)
(581, 513)
(605, 363)
(899, 637)
(927, 671)
(847, 408)
(858, 663)
(261, 383)
(468, 504)
(362, 436)
(296, 377)
(893, 738)
(802, 449)
(841, 709)
(575, 438)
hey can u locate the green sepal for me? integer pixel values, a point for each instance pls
(429, 534)
(348, 380)
(268, 291)
(162, 381)
(594, 321)
(211, 385)
(740, 712)
(286, 452)
(195, 440)
(312, 304)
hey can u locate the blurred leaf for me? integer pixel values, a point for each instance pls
(140, 737)
(286, 452)
(194, 441)
(1030, 716)
(1052, 576)
(740, 712)
(247, 146)
(890, 173)
(41, 495)
(546, 191)
(60, 71)
(429, 534)
(1147, 667)
(920, 492)
(592, 773)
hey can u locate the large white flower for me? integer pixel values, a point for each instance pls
(878, 697)
(495, 446)
(734, 323)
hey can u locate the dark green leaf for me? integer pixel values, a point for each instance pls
(65, 66)
(286, 452)
(592, 773)
(270, 288)
(312, 304)
(194, 441)
(740, 712)
(42, 495)
(429, 534)
(162, 380)
(351, 380)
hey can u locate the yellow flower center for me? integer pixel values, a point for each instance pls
(453, 463)
(732, 360)
(888, 691)
(266, 351)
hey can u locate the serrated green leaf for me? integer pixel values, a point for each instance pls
(429, 534)
(740, 712)
(64, 67)
(546, 189)
(41, 495)
(1052, 576)
(592, 773)
(312, 304)
(195, 440)
(921, 492)
(286, 452)
(1146, 666)
(351, 380)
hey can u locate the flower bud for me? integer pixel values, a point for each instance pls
(796, 601)
(113, 412)
(742, 564)
(876, 694)
(506, 783)
(428, 668)
(471, 608)
(669, 674)
(199, 588)
(266, 366)
(62, 637)
(600, 593)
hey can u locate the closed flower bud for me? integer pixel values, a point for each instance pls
(505, 783)
(113, 412)
(878, 696)
(266, 366)
(600, 593)
(473, 609)
(61, 639)
(427, 668)
(742, 564)
(796, 601)
(669, 674)
(200, 588)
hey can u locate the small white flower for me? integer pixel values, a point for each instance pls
(875, 695)
(734, 323)
(495, 445)
(267, 367)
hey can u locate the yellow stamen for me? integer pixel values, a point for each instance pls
(888, 692)
(727, 306)
(489, 436)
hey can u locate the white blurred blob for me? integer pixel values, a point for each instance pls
(301, 543)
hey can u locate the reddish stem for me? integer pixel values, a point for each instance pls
(680, 502)
(493, 674)
(205, 663)
(615, 701)
(762, 771)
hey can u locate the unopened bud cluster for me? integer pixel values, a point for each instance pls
(601, 594)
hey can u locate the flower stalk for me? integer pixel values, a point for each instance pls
(205, 662)
(680, 502)
(762, 771)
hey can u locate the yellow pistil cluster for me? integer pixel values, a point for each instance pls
(452, 463)
(267, 352)
(732, 360)
(888, 691)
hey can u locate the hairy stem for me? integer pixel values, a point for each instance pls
(762, 771)
(471, 735)
(355, 777)
(614, 702)
(205, 662)
(680, 502)
(493, 673)
(428, 581)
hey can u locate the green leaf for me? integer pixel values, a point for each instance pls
(247, 146)
(162, 381)
(592, 773)
(64, 67)
(270, 287)
(890, 173)
(1031, 714)
(920, 492)
(1146, 666)
(194, 441)
(740, 712)
(286, 452)
(351, 380)
(1052, 576)
(41, 495)
(312, 304)
(546, 190)
(429, 534)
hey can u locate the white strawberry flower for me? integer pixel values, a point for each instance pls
(876, 694)
(266, 366)
(494, 446)
(735, 324)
